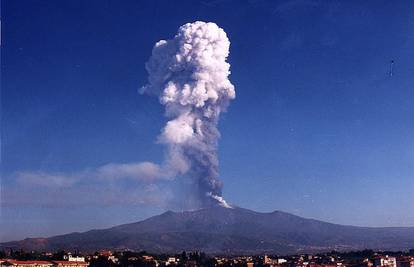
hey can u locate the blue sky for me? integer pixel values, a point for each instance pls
(318, 128)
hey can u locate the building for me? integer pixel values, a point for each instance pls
(273, 262)
(385, 261)
(171, 260)
(17, 263)
(70, 257)
(70, 264)
(75, 258)
(147, 258)
(405, 262)
(281, 261)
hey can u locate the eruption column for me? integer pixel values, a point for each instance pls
(189, 73)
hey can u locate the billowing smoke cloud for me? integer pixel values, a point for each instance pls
(189, 73)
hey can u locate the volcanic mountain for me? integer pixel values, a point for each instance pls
(220, 230)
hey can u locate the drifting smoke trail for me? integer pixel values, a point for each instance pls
(190, 75)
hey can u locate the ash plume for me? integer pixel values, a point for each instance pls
(189, 73)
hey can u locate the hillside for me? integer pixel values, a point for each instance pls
(224, 230)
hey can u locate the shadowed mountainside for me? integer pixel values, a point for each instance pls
(231, 231)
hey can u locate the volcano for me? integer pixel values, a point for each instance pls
(221, 230)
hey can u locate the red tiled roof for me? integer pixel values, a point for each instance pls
(71, 262)
(29, 262)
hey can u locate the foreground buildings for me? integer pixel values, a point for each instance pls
(39, 263)
(365, 258)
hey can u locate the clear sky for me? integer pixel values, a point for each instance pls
(319, 127)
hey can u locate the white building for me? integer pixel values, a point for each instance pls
(76, 258)
(171, 260)
(385, 261)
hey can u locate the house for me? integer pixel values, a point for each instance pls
(70, 264)
(385, 261)
(18, 263)
(75, 258)
(171, 260)
(405, 262)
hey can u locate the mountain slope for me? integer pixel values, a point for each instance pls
(223, 230)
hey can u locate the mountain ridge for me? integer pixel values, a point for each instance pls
(229, 230)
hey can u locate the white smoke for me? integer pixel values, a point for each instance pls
(221, 201)
(189, 73)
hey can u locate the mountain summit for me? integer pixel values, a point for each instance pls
(228, 230)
